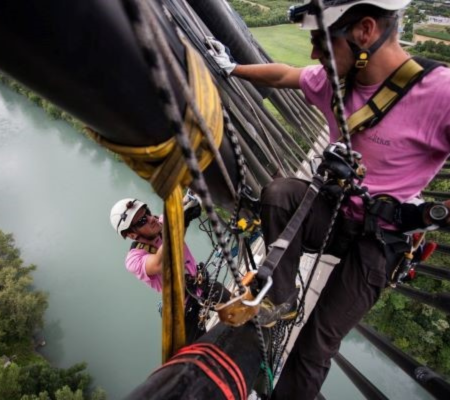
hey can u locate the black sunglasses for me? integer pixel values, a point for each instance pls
(141, 221)
(334, 33)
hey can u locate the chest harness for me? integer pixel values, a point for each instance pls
(192, 282)
(391, 91)
(388, 94)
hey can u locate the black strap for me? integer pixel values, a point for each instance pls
(279, 247)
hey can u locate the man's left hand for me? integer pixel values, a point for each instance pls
(192, 207)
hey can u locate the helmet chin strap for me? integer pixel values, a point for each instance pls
(361, 55)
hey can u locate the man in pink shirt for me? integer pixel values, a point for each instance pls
(402, 152)
(131, 218)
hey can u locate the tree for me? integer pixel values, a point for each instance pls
(38, 378)
(10, 387)
(21, 309)
(66, 394)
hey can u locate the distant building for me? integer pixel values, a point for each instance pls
(438, 20)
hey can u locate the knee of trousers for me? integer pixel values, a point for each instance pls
(284, 193)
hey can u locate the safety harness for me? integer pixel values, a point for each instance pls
(143, 246)
(388, 94)
(382, 101)
(192, 282)
(385, 207)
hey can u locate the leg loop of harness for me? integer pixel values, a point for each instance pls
(380, 207)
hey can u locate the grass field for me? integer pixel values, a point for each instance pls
(285, 43)
(434, 31)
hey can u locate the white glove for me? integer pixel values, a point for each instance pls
(191, 200)
(192, 206)
(220, 56)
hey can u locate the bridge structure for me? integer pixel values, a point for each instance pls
(95, 59)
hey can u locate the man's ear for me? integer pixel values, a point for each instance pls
(132, 235)
(364, 31)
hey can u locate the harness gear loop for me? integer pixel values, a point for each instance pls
(407, 263)
(164, 167)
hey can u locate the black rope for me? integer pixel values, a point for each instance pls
(152, 45)
(330, 67)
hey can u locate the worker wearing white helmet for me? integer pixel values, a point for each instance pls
(404, 141)
(132, 219)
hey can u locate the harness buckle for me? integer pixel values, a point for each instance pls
(361, 64)
(247, 225)
(362, 58)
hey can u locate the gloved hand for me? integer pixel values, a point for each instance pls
(221, 55)
(192, 207)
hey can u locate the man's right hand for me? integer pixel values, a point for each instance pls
(221, 56)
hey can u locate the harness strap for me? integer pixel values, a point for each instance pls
(389, 93)
(279, 247)
(144, 246)
(384, 207)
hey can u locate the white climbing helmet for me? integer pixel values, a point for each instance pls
(123, 212)
(334, 9)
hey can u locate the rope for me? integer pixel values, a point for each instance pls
(211, 350)
(262, 347)
(173, 164)
(216, 361)
(224, 388)
(330, 67)
(172, 172)
(233, 83)
(313, 270)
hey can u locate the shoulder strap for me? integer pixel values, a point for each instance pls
(390, 92)
(148, 247)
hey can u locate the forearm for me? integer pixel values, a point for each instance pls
(271, 75)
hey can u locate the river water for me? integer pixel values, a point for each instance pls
(56, 190)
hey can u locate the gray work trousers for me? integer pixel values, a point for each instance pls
(353, 288)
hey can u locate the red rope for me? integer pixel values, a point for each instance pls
(213, 352)
(222, 386)
(223, 359)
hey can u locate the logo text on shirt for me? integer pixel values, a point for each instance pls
(376, 139)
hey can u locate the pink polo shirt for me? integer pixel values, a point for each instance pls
(135, 263)
(407, 148)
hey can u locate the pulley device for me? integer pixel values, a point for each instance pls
(243, 307)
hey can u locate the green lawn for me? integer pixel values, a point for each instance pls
(434, 31)
(285, 43)
(433, 34)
